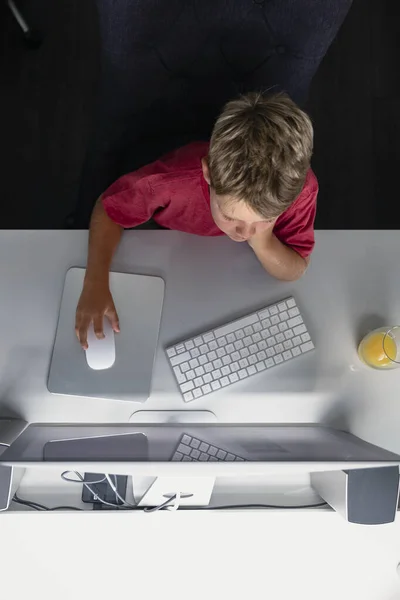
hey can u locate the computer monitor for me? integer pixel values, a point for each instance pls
(202, 449)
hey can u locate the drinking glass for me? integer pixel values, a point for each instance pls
(380, 349)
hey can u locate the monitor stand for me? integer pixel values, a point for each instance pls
(173, 416)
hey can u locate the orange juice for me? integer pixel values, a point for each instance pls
(376, 350)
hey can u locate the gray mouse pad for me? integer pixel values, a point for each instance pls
(138, 300)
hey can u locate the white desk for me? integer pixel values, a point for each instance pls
(353, 281)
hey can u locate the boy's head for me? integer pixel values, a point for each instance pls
(259, 155)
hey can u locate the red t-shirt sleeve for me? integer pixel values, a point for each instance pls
(130, 201)
(295, 228)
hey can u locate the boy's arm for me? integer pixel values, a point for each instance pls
(279, 260)
(96, 300)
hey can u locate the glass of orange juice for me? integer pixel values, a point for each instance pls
(380, 349)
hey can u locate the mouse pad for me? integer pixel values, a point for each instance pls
(138, 300)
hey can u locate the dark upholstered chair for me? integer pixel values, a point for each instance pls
(168, 66)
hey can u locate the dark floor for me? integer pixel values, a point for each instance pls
(46, 103)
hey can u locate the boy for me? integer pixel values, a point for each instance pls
(252, 182)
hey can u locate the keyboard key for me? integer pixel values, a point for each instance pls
(186, 387)
(187, 459)
(212, 356)
(216, 374)
(287, 355)
(186, 439)
(283, 326)
(274, 330)
(251, 370)
(215, 385)
(244, 353)
(199, 371)
(225, 370)
(295, 321)
(180, 377)
(194, 363)
(195, 443)
(247, 340)
(198, 382)
(299, 330)
(203, 457)
(177, 456)
(185, 366)
(206, 388)
(198, 341)
(282, 306)
(260, 366)
(233, 377)
(289, 334)
(278, 359)
(212, 450)
(248, 330)
(221, 454)
(197, 393)
(230, 457)
(280, 337)
(217, 363)
(235, 356)
(293, 312)
(235, 367)
(252, 359)
(171, 352)
(239, 345)
(183, 449)
(230, 338)
(227, 360)
(204, 447)
(239, 334)
(262, 345)
(189, 345)
(266, 323)
(207, 337)
(202, 359)
(305, 338)
(256, 337)
(180, 348)
(307, 347)
(195, 454)
(273, 310)
(261, 355)
(296, 351)
(263, 313)
(190, 374)
(270, 352)
(257, 327)
(180, 358)
(265, 334)
(288, 344)
(253, 348)
(230, 348)
(222, 341)
(208, 367)
(221, 352)
(271, 341)
(188, 396)
(213, 345)
(269, 363)
(275, 320)
(279, 348)
(284, 315)
(290, 302)
(244, 363)
(207, 378)
(224, 381)
(213, 459)
(296, 341)
(242, 374)
(203, 349)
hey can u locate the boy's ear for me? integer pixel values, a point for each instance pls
(206, 171)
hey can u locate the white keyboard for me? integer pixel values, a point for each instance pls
(192, 449)
(240, 349)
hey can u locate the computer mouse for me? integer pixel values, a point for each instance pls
(101, 353)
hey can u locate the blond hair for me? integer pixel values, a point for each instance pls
(260, 152)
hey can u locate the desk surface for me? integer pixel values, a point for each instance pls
(352, 285)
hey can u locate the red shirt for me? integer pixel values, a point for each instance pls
(173, 192)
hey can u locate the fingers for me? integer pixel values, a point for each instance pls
(98, 326)
(81, 329)
(113, 318)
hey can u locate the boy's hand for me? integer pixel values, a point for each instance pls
(95, 303)
(278, 260)
(262, 238)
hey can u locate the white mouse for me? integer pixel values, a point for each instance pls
(101, 353)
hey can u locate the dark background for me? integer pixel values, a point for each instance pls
(47, 99)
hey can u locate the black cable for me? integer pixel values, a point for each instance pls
(37, 506)
(227, 507)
